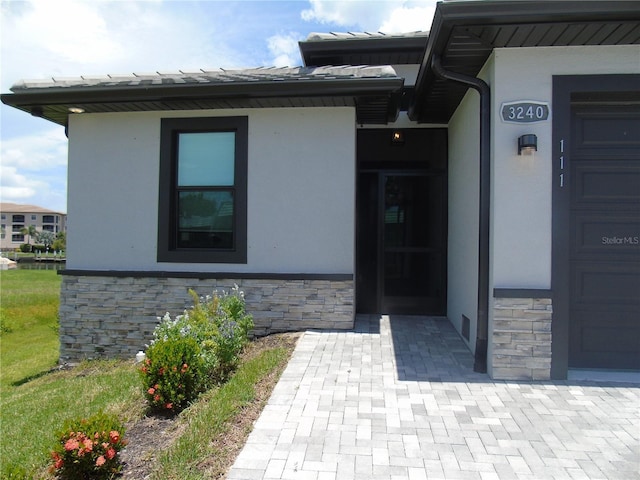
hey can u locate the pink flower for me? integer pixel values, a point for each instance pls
(111, 453)
(100, 461)
(169, 406)
(71, 444)
(114, 436)
(151, 391)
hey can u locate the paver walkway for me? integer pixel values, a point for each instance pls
(397, 399)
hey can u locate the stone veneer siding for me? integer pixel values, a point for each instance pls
(104, 315)
(521, 335)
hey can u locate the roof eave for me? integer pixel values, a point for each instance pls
(235, 94)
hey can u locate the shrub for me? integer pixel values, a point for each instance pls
(195, 350)
(25, 248)
(173, 373)
(88, 448)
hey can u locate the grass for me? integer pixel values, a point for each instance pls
(35, 399)
(29, 301)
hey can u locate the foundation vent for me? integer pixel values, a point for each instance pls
(465, 327)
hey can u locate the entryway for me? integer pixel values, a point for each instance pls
(401, 237)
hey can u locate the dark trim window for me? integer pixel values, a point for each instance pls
(47, 219)
(202, 213)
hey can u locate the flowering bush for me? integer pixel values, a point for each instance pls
(173, 373)
(195, 350)
(88, 448)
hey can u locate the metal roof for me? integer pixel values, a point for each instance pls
(363, 48)
(375, 91)
(464, 34)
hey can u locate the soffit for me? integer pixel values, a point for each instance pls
(464, 34)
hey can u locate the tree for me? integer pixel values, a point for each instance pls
(60, 244)
(30, 232)
(45, 238)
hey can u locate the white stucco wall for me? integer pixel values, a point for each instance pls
(521, 214)
(301, 186)
(462, 276)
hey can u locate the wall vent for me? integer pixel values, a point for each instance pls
(465, 327)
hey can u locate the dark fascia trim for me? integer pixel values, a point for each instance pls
(333, 277)
(449, 15)
(310, 49)
(31, 99)
(522, 293)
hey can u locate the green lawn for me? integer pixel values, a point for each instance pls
(29, 301)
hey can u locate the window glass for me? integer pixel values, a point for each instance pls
(206, 159)
(205, 219)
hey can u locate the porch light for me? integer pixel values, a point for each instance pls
(527, 144)
(397, 137)
(76, 110)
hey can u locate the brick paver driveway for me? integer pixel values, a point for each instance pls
(397, 399)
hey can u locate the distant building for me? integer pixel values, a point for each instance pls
(14, 217)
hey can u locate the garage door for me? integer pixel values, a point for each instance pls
(604, 236)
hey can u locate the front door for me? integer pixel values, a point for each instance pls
(401, 223)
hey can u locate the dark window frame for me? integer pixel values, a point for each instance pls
(168, 250)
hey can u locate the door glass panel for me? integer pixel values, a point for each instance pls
(412, 274)
(412, 211)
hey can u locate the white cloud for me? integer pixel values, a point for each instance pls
(389, 16)
(284, 49)
(41, 151)
(408, 20)
(33, 169)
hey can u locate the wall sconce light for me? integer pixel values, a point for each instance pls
(397, 137)
(527, 144)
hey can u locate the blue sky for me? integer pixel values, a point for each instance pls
(66, 38)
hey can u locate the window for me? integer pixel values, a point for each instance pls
(18, 218)
(47, 219)
(17, 238)
(17, 228)
(47, 228)
(33, 217)
(203, 190)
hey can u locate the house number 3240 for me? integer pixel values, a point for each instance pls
(525, 112)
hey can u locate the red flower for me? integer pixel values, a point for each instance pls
(156, 398)
(114, 436)
(184, 368)
(151, 391)
(161, 371)
(169, 406)
(58, 461)
(111, 453)
(71, 444)
(100, 461)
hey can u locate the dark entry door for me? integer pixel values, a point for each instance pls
(604, 236)
(401, 224)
